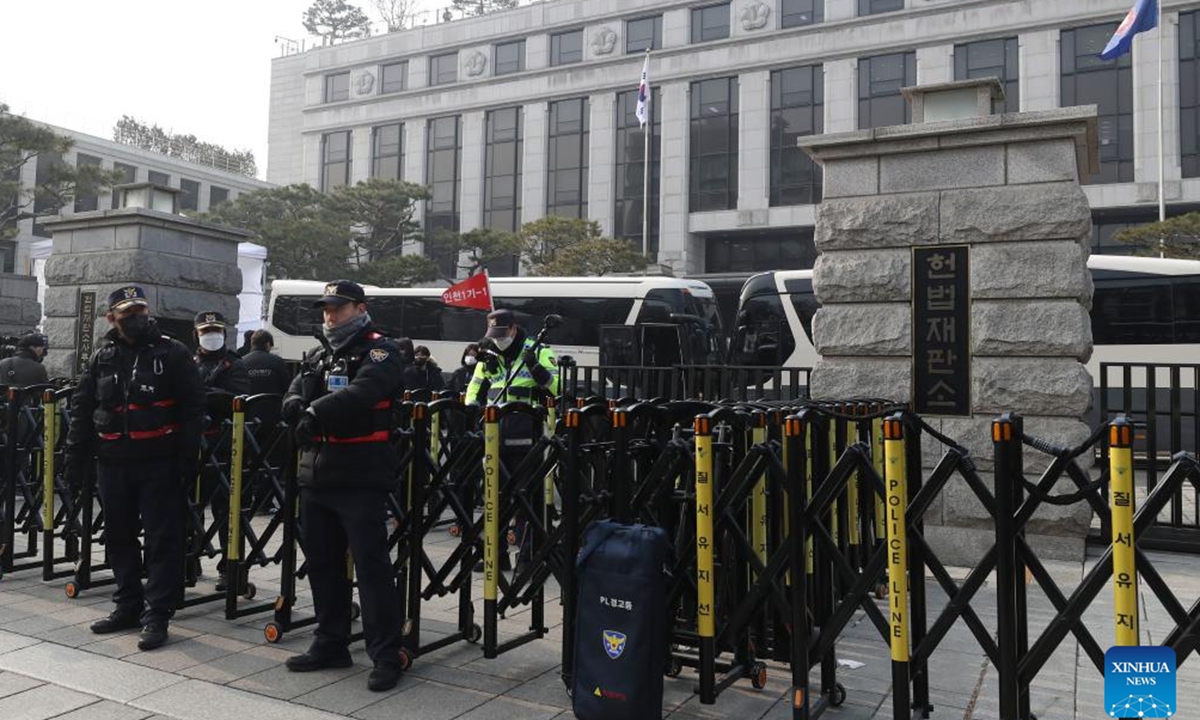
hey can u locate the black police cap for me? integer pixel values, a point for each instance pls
(209, 319)
(340, 292)
(126, 297)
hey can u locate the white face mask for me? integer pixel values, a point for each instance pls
(503, 342)
(469, 360)
(212, 341)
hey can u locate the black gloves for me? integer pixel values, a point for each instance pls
(293, 407)
(308, 428)
(539, 374)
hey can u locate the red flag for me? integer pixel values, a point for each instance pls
(474, 292)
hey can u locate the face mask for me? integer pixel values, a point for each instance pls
(469, 360)
(134, 327)
(212, 341)
(503, 342)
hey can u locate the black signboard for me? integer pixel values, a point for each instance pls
(941, 294)
(86, 330)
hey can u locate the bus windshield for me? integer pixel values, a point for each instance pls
(704, 336)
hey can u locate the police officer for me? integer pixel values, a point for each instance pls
(220, 368)
(341, 409)
(26, 368)
(139, 411)
(529, 370)
(268, 372)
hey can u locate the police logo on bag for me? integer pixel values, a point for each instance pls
(378, 355)
(614, 643)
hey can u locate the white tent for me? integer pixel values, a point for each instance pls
(252, 261)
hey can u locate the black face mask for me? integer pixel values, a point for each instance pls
(135, 327)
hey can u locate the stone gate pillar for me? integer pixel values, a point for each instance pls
(952, 274)
(185, 266)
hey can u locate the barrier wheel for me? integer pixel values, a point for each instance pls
(454, 530)
(758, 676)
(251, 591)
(406, 660)
(674, 667)
(838, 696)
(72, 590)
(273, 633)
(475, 635)
(355, 611)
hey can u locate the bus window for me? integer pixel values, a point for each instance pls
(1186, 301)
(762, 336)
(463, 324)
(387, 312)
(806, 307)
(1132, 313)
(583, 315)
(295, 315)
(529, 312)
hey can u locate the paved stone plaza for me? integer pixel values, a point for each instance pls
(51, 666)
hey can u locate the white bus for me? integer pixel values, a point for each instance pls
(588, 305)
(1143, 310)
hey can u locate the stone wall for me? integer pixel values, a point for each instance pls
(1006, 186)
(19, 308)
(185, 267)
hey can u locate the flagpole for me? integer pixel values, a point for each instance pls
(1162, 204)
(647, 131)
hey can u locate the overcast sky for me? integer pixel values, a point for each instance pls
(202, 68)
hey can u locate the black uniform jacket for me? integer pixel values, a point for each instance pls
(223, 370)
(268, 373)
(354, 449)
(138, 402)
(23, 370)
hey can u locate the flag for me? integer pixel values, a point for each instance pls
(1142, 16)
(474, 292)
(644, 93)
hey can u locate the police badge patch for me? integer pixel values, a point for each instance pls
(378, 355)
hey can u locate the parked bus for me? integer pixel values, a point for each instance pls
(1143, 310)
(640, 320)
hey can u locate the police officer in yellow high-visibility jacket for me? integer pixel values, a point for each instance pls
(530, 372)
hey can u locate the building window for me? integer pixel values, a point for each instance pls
(387, 151)
(159, 178)
(631, 150)
(47, 164)
(991, 58)
(128, 175)
(1086, 80)
(873, 7)
(566, 182)
(792, 249)
(85, 203)
(710, 23)
(643, 33)
(794, 13)
(797, 109)
(714, 145)
(502, 179)
(566, 47)
(335, 160)
(1189, 93)
(879, 81)
(189, 199)
(337, 87)
(443, 155)
(510, 57)
(443, 69)
(217, 195)
(393, 77)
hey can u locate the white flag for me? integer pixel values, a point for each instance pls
(643, 112)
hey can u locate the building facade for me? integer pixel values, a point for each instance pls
(202, 186)
(528, 112)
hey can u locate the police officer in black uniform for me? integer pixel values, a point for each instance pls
(26, 368)
(139, 410)
(220, 368)
(341, 409)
